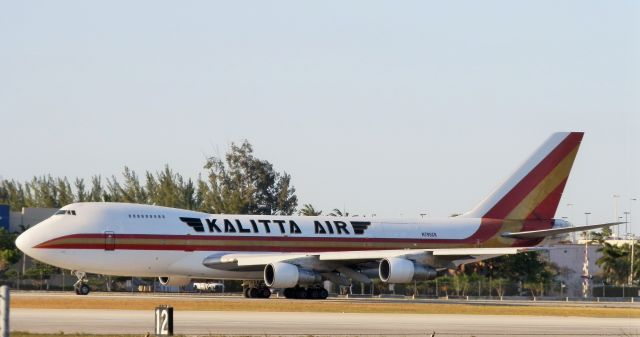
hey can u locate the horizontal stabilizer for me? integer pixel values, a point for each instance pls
(549, 232)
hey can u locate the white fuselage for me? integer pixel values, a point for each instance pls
(145, 240)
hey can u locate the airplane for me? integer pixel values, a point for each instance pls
(296, 254)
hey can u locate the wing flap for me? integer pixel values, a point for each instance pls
(478, 251)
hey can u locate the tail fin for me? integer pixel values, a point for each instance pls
(533, 191)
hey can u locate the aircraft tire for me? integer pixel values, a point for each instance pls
(323, 294)
(289, 293)
(265, 292)
(84, 289)
(301, 293)
(313, 294)
(254, 293)
(245, 292)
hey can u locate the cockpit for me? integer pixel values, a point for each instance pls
(65, 212)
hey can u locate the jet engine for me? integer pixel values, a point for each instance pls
(286, 275)
(399, 270)
(174, 281)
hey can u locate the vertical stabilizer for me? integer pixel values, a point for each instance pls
(533, 191)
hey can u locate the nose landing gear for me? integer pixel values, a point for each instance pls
(80, 286)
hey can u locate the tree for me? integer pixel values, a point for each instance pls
(81, 193)
(601, 236)
(168, 188)
(499, 285)
(42, 192)
(133, 190)
(536, 288)
(461, 284)
(615, 262)
(9, 254)
(338, 212)
(308, 210)
(525, 267)
(96, 193)
(12, 193)
(244, 184)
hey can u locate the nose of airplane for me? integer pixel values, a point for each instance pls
(23, 242)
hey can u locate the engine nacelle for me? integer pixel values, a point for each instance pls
(286, 275)
(173, 281)
(399, 270)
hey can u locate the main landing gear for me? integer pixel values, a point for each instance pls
(312, 293)
(255, 290)
(80, 286)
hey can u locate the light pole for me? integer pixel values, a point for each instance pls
(616, 197)
(619, 220)
(586, 216)
(631, 200)
(573, 234)
(626, 223)
(573, 238)
(633, 243)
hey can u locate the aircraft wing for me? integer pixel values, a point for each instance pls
(245, 261)
(381, 254)
(549, 232)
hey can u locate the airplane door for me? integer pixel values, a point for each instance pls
(109, 240)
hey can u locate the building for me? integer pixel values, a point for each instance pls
(569, 258)
(29, 216)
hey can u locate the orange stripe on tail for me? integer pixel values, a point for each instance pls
(534, 190)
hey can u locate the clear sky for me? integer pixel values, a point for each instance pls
(385, 107)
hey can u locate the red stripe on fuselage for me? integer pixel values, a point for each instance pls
(180, 242)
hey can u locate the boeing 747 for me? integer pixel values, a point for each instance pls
(298, 253)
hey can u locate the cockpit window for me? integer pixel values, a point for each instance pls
(65, 211)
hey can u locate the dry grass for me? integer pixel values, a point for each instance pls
(29, 334)
(283, 305)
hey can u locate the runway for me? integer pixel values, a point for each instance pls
(98, 321)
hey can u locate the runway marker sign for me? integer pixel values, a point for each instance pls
(164, 320)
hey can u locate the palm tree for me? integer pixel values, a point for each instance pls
(338, 212)
(308, 210)
(614, 262)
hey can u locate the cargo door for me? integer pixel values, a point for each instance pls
(109, 240)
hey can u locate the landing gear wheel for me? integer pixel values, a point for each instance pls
(323, 294)
(265, 292)
(254, 293)
(313, 294)
(289, 293)
(80, 286)
(301, 293)
(84, 289)
(245, 292)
